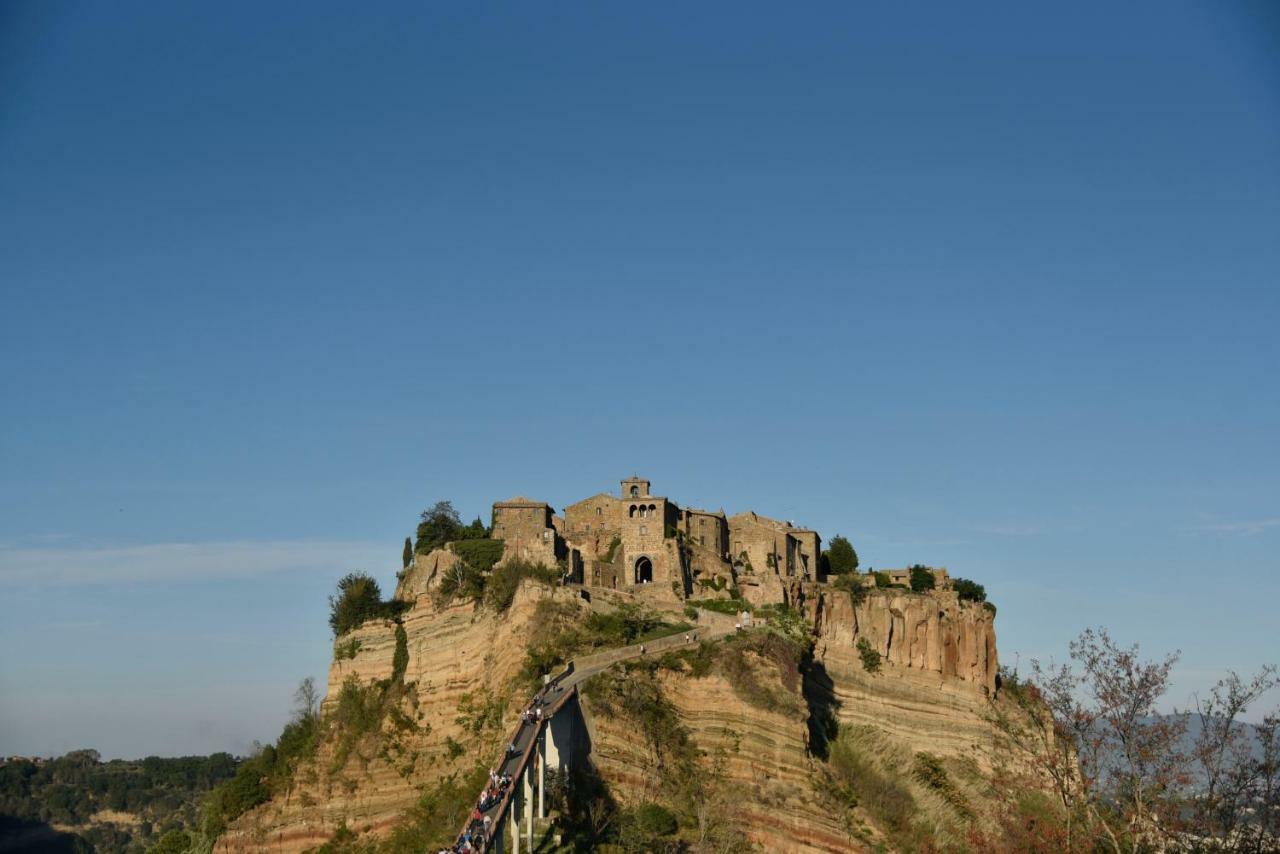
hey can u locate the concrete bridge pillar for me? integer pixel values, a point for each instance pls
(528, 805)
(513, 820)
(542, 772)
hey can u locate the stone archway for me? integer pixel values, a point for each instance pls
(644, 570)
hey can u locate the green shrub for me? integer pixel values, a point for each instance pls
(400, 658)
(869, 655)
(720, 606)
(990, 606)
(613, 549)
(173, 842)
(358, 600)
(969, 591)
(922, 579)
(852, 582)
(500, 588)
(655, 820)
(882, 579)
(346, 649)
(928, 771)
(691, 612)
(479, 554)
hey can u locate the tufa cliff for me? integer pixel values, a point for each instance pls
(755, 756)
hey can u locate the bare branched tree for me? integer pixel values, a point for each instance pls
(306, 700)
(1229, 781)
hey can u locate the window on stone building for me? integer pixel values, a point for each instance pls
(702, 541)
(597, 511)
(643, 530)
(635, 492)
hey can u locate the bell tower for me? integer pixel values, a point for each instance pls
(635, 487)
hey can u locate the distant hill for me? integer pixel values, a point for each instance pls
(77, 803)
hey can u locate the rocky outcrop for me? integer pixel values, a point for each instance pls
(938, 666)
(458, 658)
(759, 775)
(424, 574)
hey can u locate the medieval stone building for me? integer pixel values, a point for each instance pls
(635, 538)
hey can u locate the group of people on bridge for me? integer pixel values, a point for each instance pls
(479, 832)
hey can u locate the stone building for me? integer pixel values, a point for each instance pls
(627, 539)
(636, 538)
(527, 530)
(758, 544)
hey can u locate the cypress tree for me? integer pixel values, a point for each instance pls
(408, 552)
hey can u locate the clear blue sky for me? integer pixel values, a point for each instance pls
(995, 288)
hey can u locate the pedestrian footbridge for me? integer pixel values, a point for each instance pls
(553, 736)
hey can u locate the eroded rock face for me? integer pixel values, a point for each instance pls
(931, 694)
(766, 774)
(424, 574)
(452, 652)
(939, 666)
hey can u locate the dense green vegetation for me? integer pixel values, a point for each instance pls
(359, 599)
(921, 578)
(969, 591)
(733, 607)
(561, 633)
(839, 557)
(440, 524)
(162, 794)
(869, 655)
(266, 772)
(491, 588)
(480, 554)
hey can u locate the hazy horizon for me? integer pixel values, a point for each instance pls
(993, 289)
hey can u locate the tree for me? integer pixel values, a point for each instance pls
(306, 700)
(969, 591)
(358, 599)
(922, 578)
(440, 524)
(841, 558)
(1114, 761)
(408, 552)
(1232, 782)
(173, 842)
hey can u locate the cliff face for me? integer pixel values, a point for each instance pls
(938, 671)
(939, 665)
(461, 663)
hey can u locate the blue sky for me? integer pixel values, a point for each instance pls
(995, 289)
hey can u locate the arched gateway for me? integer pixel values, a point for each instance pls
(644, 570)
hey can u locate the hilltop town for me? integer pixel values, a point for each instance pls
(555, 680)
(634, 539)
